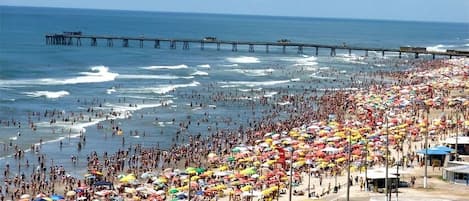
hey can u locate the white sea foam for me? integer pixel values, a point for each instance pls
(199, 73)
(439, 48)
(354, 59)
(111, 90)
(182, 66)
(47, 94)
(230, 65)
(316, 76)
(161, 89)
(248, 90)
(270, 94)
(253, 72)
(160, 77)
(204, 66)
(243, 60)
(252, 84)
(306, 61)
(97, 74)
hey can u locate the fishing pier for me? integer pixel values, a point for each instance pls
(77, 39)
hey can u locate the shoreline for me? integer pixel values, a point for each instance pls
(226, 143)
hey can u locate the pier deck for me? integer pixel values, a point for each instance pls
(69, 39)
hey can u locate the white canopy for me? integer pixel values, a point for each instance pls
(461, 140)
(330, 149)
(459, 169)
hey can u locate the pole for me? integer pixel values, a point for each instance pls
(398, 176)
(425, 184)
(457, 135)
(348, 164)
(278, 188)
(386, 180)
(309, 180)
(366, 165)
(291, 176)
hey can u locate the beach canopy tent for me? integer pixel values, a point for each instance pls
(376, 179)
(444, 148)
(436, 154)
(461, 140)
(457, 174)
(435, 151)
(463, 144)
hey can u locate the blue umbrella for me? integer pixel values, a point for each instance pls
(182, 196)
(443, 148)
(433, 151)
(57, 197)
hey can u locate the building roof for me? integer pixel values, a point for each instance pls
(459, 169)
(461, 140)
(433, 151)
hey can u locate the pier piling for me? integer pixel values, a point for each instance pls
(300, 49)
(172, 44)
(251, 48)
(157, 44)
(234, 47)
(109, 42)
(185, 45)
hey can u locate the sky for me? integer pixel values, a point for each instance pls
(408, 10)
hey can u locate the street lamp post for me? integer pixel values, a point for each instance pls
(291, 176)
(386, 180)
(457, 135)
(348, 163)
(309, 180)
(366, 165)
(425, 184)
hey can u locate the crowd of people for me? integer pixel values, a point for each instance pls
(323, 130)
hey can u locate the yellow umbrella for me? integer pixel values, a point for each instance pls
(128, 178)
(211, 155)
(246, 188)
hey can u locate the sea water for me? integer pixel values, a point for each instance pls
(150, 87)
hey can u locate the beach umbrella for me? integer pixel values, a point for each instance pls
(70, 193)
(195, 178)
(128, 178)
(57, 197)
(25, 196)
(200, 170)
(43, 199)
(95, 172)
(212, 155)
(173, 191)
(41, 195)
(246, 188)
(147, 175)
(160, 192)
(236, 150)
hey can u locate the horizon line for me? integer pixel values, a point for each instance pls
(240, 14)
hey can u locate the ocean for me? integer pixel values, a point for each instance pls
(154, 90)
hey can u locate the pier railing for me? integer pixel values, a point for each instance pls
(75, 38)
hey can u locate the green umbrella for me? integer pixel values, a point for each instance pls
(231, 158)
(173, 191)
(200, 170)
(236, 150)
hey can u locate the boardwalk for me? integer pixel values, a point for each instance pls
(75, 38)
